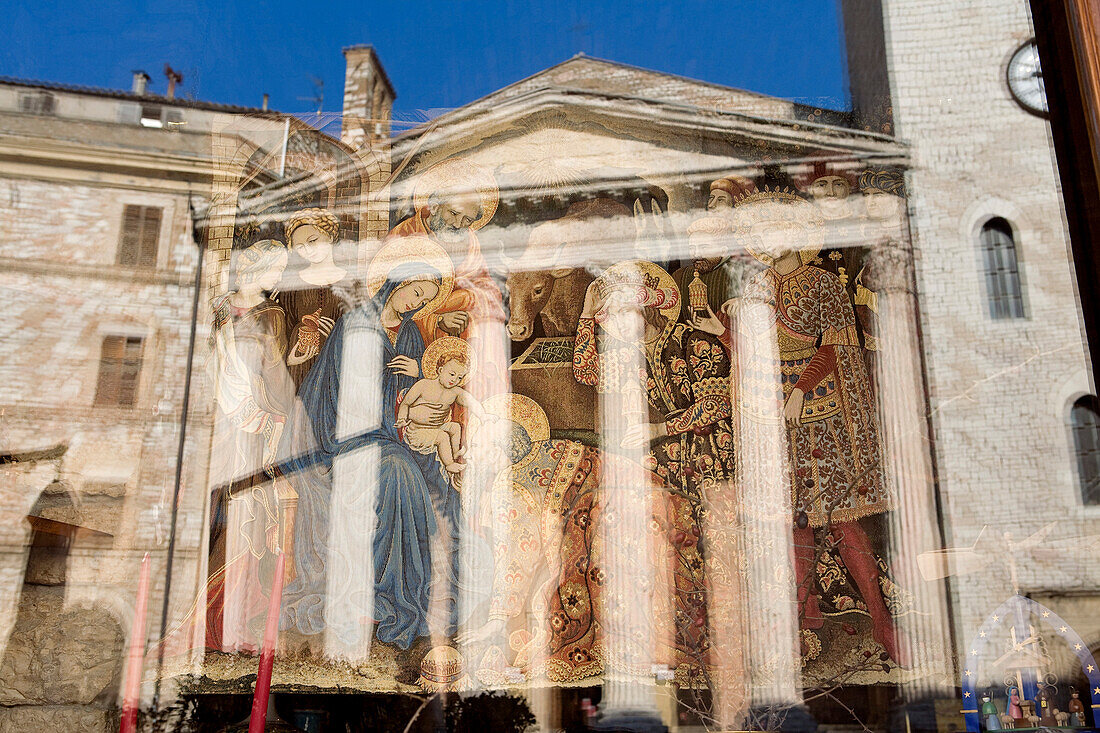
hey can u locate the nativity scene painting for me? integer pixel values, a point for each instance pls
(604, 403)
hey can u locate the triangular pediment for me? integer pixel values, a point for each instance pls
(592, 119)
(601, 76)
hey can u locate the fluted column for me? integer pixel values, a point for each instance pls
(914, 529)
(764, 480)
(624, 537)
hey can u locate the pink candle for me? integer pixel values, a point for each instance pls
(258, 719)
(131, 698)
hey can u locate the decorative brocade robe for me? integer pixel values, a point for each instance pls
(550, 566)
(687, 382)
(799, 330)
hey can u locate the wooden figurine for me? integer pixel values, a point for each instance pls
(1044, 705)
(1076, 710)
(989, 711)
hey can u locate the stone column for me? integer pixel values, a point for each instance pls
(627, 604)
(349, 564)
(764, 482)
(914, 528)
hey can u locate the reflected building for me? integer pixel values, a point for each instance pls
(612, 388)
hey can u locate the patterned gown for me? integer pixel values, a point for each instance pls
(799, 330)
(550, 566)
(687, 382)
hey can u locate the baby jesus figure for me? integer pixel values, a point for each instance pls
(445, 365)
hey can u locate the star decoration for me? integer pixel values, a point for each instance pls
(966, 694)
(1096, 690)
(1063, 629)
(973, 652)
(967, 673)
(1076, 647)
(982, 634)
(1092, 668)
(996, 618)
(1046, 614)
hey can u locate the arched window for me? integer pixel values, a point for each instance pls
(1085, 419)
(1002, 273)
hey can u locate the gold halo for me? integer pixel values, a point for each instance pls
(805, 215)
(672, 312)
(521, 410)
(443, 346)
(458, 176)
(414, 248)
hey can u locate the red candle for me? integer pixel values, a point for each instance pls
(131, 698)
(258, 719)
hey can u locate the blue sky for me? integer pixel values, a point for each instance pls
(439, 54)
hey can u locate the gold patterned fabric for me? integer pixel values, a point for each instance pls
(551, 567)
(835, 458)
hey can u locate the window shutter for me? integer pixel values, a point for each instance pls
(119, 370)
(140, 234)
(150, 232)
(1086, 437)
(1002, 271)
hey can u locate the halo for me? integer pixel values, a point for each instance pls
(414, 248)
(755, 207)
(461, 177)
(443, 346)
(521, 410)
(672, 312)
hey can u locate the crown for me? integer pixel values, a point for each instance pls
(784, 195)
(613, 279)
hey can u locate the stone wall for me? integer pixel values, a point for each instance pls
(112, 479)
(1000, 389)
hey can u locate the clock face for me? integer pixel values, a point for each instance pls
(1025, 79)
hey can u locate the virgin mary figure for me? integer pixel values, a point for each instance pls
(371, 511)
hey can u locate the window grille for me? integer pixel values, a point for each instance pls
(38, 103)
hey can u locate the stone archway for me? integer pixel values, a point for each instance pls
(60, 668)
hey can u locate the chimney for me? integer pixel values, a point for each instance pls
(141, 82)
(265, 103)
(368, 97)
(174, 78)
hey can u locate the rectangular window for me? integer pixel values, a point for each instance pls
(140, 232)
(119, 369)
(38, 103)
(151, 115)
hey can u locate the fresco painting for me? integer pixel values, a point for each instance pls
(449, 417)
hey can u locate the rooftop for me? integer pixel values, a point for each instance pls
(151, 98)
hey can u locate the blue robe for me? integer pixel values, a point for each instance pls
(414, 501)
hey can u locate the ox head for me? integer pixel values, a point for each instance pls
(556, 249)
(528, 293)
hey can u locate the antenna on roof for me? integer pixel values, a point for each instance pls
(174, 78)
(318, 97)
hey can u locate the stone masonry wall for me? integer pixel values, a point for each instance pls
(1000, 390)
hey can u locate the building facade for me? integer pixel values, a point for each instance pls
(613, 398)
